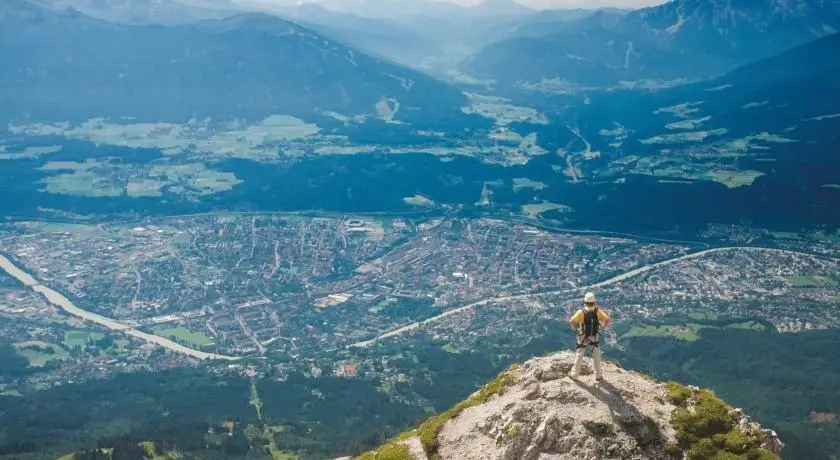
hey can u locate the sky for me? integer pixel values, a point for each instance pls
(536, 4)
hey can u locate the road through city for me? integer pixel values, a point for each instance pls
(575, 291)
(59, 300)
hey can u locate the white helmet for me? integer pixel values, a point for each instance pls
(589, 297)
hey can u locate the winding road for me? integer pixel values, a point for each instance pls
(607, 282)
(56, 298)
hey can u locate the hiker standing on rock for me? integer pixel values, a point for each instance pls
(588, 321)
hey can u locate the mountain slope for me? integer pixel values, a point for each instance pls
(394, 9)
(586, 56)
(376, 36)
(588, 51)
(452, 26)
(499, 8)
(725, 33)
(550, 22)
(65, 66)
(166, 12)
(682, 39)
(536, 410)
(795, 94)
(766, 134)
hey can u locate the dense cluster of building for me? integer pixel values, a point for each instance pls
(304, 291)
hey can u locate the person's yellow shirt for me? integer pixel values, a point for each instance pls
(603, 318)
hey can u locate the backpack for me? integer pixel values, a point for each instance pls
(591, 322)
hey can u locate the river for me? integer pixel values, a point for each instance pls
(57, 299)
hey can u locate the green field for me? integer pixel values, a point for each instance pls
(255, 141)
(80, 338)
(812, 281)
(181, 240)
(535, 209)
(194, 179)
(144, 187)
(449, 348)
(76, 229)
(523, 182)
(686, 332)
(827, 237)
(383, 304)
(27, 152)
(747, 325)
(38, 358)
(182, 333)
(255, 400)
(732, 179)
(80, 179)
(419, 200)
(98, 179)
(685, 137)
(10, 392)
(785, 235)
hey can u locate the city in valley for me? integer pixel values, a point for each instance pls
(271, 294)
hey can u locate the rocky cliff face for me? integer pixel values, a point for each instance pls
(536, 411)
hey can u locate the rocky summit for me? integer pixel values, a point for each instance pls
(537, 411)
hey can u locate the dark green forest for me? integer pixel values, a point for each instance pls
(320, 417)
(778, 379)
(175, 409)
(378, 183)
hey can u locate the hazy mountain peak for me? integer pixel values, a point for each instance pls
(721, 15)
(250, 65)
(140, 11)
(501, 8)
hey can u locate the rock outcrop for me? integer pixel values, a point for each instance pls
(536, 411)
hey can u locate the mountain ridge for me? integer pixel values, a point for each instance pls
(697, 39)
(250, 65)
(537, 410)
(740, 30)
(379, 37)
(787, 90)
(164, 12)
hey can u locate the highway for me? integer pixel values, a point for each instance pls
(575, 291)
(60, 301)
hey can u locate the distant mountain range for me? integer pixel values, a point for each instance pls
(768, 130)
(450, 25)
(586, 52)
(795, 95)
(690, 39)
(549, 22)
(732, 32)
(428, 8)
(381, 37)
(62, 65)
(167, 12)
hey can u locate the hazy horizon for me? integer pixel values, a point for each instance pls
(535, 4)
